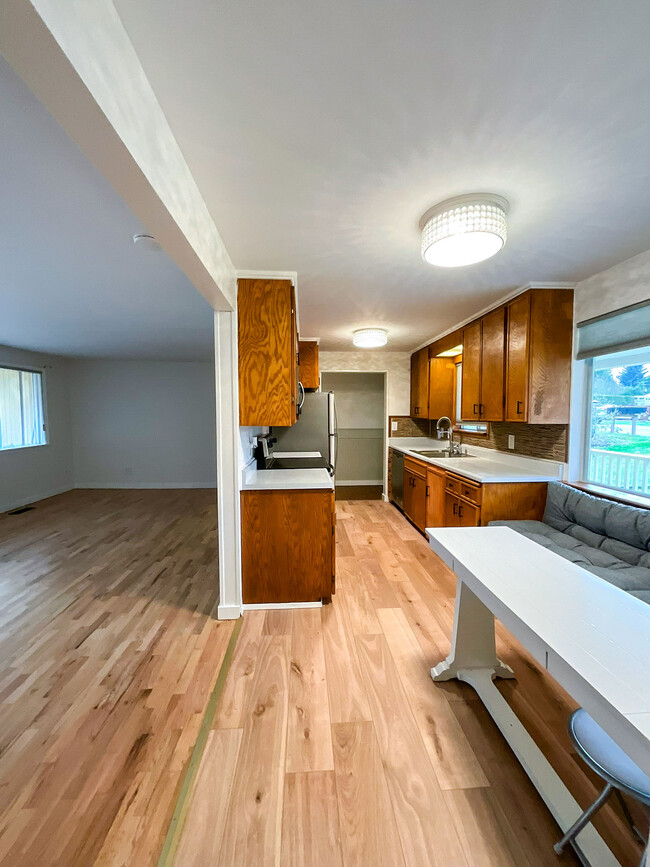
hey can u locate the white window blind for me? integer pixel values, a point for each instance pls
(622, 329)
(21, 409)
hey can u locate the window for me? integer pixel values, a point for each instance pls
(21, 409)
(617, 453)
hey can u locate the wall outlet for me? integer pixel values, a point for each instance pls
(393, 425)
(511, 441)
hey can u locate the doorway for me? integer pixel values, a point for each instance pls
(361, 412)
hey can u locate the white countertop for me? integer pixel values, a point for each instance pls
(286, 480)
(482, 465)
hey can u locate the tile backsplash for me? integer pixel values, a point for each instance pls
(534, 440)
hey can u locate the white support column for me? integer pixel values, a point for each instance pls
(228, 475)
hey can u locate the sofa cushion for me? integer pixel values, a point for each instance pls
(633, 579)
(623, 532)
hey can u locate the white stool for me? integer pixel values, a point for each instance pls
(608, 760)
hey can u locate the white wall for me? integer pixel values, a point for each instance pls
(147, 424)
(31, 474)
(624, 284)
(396, 365)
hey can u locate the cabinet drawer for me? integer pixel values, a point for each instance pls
(453, 484)
(416, 467)
(471, 492)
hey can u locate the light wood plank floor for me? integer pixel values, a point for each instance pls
(109, 650)
(332, 746)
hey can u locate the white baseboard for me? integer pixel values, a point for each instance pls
(279, 606)
(27, 501)
(145, 486)
(229, 612)
(385, 498)
(357, 482)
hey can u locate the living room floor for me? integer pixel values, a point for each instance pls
(330, 744)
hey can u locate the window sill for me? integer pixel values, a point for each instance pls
(21, 448)
(624, 497)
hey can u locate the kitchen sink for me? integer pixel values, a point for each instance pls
(430, 453)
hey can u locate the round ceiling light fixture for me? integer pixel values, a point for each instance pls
(147, 242)
(464, 230)
(370, 338)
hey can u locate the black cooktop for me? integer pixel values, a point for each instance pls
(296, 463)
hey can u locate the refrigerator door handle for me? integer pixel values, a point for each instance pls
(302, 396)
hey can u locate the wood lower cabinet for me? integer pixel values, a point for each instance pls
(288, 543)
(309, 374)
(434, 497)
(268, 352)
(415, 492)
(538, 358)
(420, 383)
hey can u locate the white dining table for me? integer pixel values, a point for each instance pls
(591, 637)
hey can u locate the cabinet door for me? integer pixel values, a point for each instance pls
(451, 510)
(295, 372)
(468, 514)
(407, 500)
(442, 378)
(420, 384)
(471, 379)
(435, 516)
(517, 366)
(493, 351)
(309, 363)
(419, 502)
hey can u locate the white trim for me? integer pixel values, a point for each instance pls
(228, 612)
(279, 606)
(228, 475)
(385, 498)
(145, 486)
(28, 501)
(493, 306)
(357, 482)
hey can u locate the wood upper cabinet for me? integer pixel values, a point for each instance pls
(538, 360)
(308, 351)
(493, 353)
(420, 383)
(435, 510)
(471, 377)
(287, 546)
(442, 380)
(268, 352)
(483, 368)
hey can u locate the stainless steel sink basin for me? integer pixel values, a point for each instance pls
(430, 453)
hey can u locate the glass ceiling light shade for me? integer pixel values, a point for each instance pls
(370, 338)
(464, 230)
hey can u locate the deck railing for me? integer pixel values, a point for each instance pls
(628, 472)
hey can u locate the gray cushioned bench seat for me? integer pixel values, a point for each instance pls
(606, 538)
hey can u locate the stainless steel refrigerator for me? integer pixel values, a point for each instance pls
(315, 431)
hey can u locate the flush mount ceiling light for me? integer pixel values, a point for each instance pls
(464, 230)
(146, 242)
(370, 338)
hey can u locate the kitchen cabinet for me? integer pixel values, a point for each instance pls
(484, 350)
(538, 356)
(442, 382)
(415, 492)
(308, 367)
(288, 543)
(268, 353)
(435, 508)
(420, 383)
(460, 513)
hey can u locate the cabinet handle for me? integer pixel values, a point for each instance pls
(481, 409)
(519, 403)
(475, 409)
(460, 511)
(455, 507)
(427, 493)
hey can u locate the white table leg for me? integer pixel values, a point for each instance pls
(473, 643)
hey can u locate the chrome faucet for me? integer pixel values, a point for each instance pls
(445, 426)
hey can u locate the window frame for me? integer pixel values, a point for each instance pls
(25, 368)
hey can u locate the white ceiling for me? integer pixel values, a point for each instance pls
(72, 281)
(319, 133)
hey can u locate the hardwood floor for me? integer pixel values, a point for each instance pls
(109, 650)
(332, 746)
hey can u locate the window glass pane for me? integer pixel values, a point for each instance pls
(21, 409)
(619, 433)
